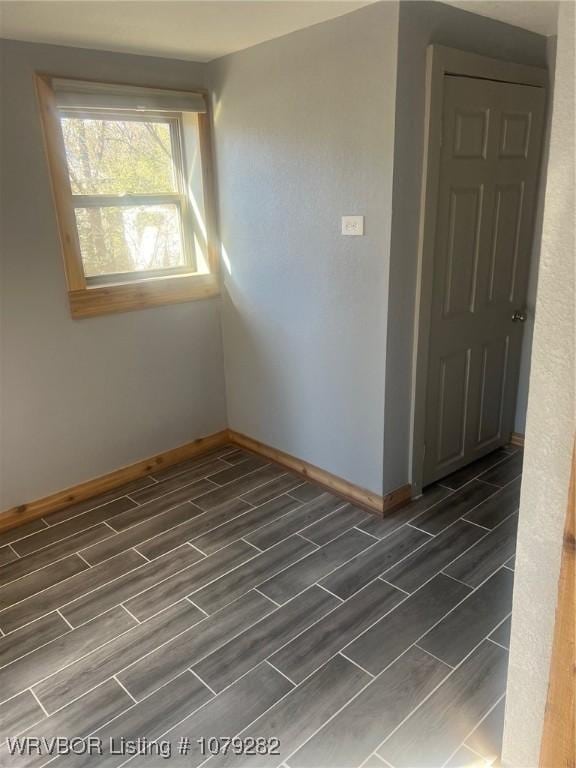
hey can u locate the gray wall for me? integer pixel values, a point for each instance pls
(318, 327)
(550, 428)
(304, 134)
(84, 397)
(422, 23)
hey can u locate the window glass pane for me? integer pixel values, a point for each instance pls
(116, 157)
(133, 238)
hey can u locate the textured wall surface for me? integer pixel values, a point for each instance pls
(84, 397)
(522, 402)
(304, 134)
(422, 23)
(550, 427)
(318, 327)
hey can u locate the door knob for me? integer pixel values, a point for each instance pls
(519, 316)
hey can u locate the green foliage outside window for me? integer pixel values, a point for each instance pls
(119, 157)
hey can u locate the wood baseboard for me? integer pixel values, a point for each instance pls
(354, 493)
(12, 518)
(517, 439)
(24, 513)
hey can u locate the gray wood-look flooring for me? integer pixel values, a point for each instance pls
(225, 598)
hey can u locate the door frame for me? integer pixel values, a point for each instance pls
(441, 61)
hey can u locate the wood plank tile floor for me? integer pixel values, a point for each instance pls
(224, 612)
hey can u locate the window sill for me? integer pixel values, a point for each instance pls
(107, 299)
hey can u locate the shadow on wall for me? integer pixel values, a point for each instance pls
(304, 135)
(273, 387)
(255, 370)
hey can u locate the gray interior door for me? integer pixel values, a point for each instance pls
(490, 156)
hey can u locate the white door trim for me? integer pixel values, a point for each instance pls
(441, 61)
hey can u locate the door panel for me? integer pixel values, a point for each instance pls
(489, 162)
(492, 388)
(515, 134)
(453, 390)
(462, 260)
(471, 133)
(505, 242)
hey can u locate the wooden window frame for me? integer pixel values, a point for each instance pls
(98, 298)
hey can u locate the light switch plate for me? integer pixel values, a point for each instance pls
(353, 225)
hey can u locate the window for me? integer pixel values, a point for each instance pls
(131, 181)
(126, 175)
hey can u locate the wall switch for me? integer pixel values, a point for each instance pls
(352, 225)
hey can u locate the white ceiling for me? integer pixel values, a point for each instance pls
(185, 29)
(536, 15)
(206, 30)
